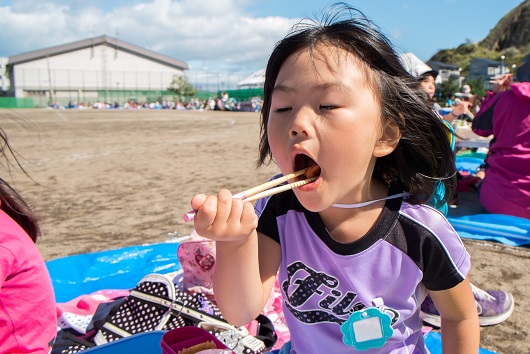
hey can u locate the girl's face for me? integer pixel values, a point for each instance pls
(324, 112)
(427, 85)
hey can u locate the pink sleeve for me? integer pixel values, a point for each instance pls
(6, 265)
(488, 100)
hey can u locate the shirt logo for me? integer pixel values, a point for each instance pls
(304, 283)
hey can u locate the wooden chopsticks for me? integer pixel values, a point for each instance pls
(264, 190)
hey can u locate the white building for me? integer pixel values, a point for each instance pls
(254, 80)
(4, 83)
(101, 69)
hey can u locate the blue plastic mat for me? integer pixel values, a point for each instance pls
(141, 343)
(113, 269)
(506, 229)
(433, 340)
(123, 268)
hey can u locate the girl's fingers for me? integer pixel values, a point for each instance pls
(234, 219)
(206, 212)
(224, 206)
(222, 217)
(242, 220)
(197, 201)
(249, 217)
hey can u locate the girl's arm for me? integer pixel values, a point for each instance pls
(244, 276)
(458, 312)
(246, 262)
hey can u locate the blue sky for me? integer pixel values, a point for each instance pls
(235, 36)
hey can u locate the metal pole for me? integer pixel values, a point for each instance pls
(49, 77)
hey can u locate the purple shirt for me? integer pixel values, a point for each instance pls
(411, 248)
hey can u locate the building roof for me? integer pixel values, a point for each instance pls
(486, 61)
(256, 79)
(438, 66)
(101, 40)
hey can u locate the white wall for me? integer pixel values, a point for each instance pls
(4, 82)
(100, 68)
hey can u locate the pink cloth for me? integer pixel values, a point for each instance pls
(506, 186)
(88, 304)
(274, 311)
(27, 303)
(77, 313)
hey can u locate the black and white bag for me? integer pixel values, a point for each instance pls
(156, 304)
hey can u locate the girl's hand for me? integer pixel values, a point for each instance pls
(222, 218)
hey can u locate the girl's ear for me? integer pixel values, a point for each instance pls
(388, 140)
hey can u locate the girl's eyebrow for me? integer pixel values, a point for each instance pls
(323, 86)
(283, 88)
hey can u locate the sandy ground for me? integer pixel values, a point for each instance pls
(109, 179)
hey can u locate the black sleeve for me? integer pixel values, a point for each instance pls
(484, 119)
(267, 212)
(429, 254)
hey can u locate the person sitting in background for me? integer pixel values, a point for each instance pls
(28, 320)
(450, 101)
(426, 77)
(505, 113)
(494, 306)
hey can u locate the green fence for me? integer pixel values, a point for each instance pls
(122, 96)
(12, 102)
(243, 95)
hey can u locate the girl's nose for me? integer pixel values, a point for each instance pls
(301, 124)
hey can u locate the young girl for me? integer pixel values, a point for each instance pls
(28, 319)
(357, 250)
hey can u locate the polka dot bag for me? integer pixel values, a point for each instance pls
(156, 304)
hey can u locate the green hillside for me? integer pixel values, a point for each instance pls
(510, 37)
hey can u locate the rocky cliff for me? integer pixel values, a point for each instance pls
(513, 30)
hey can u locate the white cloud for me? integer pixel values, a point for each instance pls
(214, 33)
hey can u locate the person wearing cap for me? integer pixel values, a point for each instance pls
(505, 113)
(426, 77)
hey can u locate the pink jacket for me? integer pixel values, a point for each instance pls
(28, 322)
(506, 187)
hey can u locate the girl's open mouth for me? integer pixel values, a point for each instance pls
(302, 161)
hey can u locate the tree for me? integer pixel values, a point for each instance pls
(181, 87)
(447, 89)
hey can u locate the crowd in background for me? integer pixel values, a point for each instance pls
(222, 103)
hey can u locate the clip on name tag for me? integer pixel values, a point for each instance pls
(367, 328)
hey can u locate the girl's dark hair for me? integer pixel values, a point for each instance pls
(423, 157)
(11, 202)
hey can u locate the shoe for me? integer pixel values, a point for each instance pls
(493, 307)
